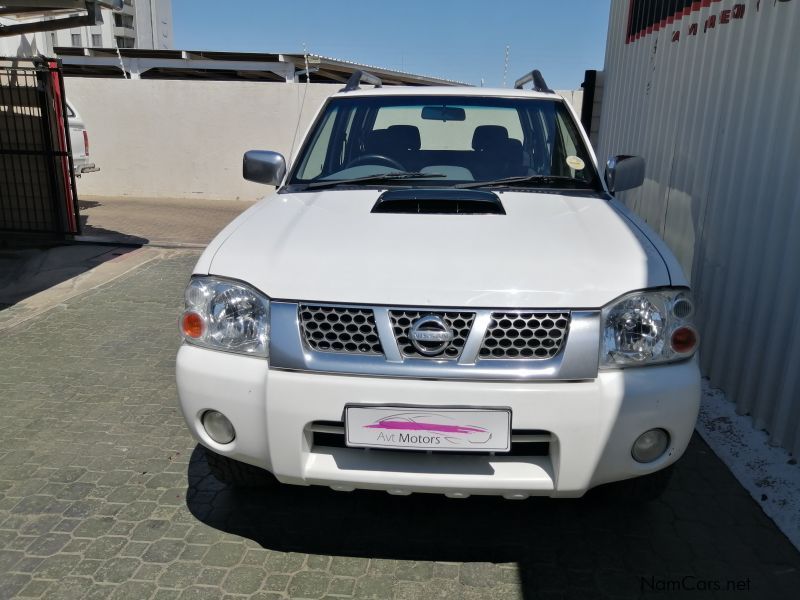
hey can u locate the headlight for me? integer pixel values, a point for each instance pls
(226, 315)
(648, 327)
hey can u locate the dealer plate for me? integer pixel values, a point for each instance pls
(418, 428)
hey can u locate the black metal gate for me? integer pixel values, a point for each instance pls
(37, 177)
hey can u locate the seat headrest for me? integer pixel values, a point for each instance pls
(489, 137)
(378, 141)
(393, 140)
(514, 145)
(405, 136)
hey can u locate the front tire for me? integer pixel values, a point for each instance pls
(238, 474)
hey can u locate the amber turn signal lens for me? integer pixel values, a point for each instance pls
(684, 339)
(192, 324)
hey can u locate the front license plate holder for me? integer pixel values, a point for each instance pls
(428, 428)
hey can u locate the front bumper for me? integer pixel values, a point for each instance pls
(593, 424)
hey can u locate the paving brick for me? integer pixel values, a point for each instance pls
(11, 584)
(479, 574)
(243, 580)
(224, 554)
(35, 589)
(308, 585)
(341, 565)
(117, 570)
(318, 563)
(341, 586)
(105, 546)
(163, 551)
(374, 587)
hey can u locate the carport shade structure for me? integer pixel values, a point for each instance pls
(142, 63)
(30, 9)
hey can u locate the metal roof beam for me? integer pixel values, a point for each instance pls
(137, 66)
(91, 18)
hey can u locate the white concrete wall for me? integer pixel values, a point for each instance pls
(185, 139)
(574, 97)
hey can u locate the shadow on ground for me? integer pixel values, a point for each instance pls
(95, 232)
(29, 265)
(704, 528)
(27, 268)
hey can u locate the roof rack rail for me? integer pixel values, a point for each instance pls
(535, 76)
(357, 77)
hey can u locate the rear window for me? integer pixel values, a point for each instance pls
(450, 135)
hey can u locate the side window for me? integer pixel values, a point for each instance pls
(567, 156)
(567, 143)
(314, 164)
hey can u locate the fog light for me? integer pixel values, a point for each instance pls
(218, 427)
(650, 445)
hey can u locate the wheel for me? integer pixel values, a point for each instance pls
(638, 490)
(371, 159)
(238, 474)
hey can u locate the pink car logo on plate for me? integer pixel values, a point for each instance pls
(425, 422)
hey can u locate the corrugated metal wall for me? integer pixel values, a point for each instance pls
(710, 97)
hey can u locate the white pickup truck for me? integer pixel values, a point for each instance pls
(441, 296)
(79, 140)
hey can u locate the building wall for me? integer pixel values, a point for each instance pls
(23, 45)
(710, 99)
(185, 139)
(154, 24)
(138, 20)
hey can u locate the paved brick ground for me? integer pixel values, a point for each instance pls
(158, 220)
(103, 494)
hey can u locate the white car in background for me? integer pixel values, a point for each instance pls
(442, 296)
(79, 139)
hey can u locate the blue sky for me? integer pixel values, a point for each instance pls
(458, 39)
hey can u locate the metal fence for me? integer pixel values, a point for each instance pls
(37, 178)
(708, 93)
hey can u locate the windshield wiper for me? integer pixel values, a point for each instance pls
(377, 178)
(525, 180)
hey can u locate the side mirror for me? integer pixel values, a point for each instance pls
(263, 166)
(624, 172)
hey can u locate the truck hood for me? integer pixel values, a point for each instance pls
(548, 251)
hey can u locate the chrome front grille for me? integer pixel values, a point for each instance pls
(524, 335)
(340, 329)
(460, 323)
(480, 343)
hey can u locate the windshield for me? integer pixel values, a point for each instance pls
(445, 141)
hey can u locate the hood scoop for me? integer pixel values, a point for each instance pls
(439, 202)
